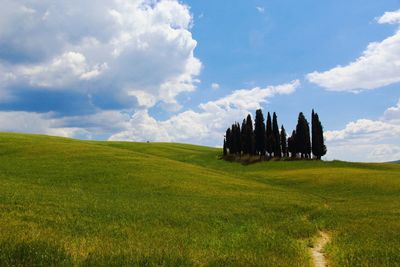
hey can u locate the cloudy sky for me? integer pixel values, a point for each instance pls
(183, 71)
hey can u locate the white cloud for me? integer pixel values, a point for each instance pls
(101, 124)
(390, 18)
(378, 66)
(140, 48)
(215, 86)
(260, 9)
(144, 99)
(365, 131)
(60, 71)
(141, 44)
(364, 152)
(393, 113)
(142, 127)
(250, 99)
(206, 126)
(367, 140)
(38, 123)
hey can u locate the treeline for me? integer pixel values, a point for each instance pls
(266, 139)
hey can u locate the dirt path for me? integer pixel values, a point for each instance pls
(317, 251)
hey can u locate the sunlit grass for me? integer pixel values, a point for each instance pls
(80, 203)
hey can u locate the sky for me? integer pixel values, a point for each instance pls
(184, 71)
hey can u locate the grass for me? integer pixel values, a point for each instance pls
(65, 202)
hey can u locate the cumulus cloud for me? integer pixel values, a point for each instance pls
(126, 46)
(100, 124)
(250, 99)
(393, 113)
(378, 66)
(60, 71)
(367, 140)
(364, 152)
(113, 51)
(39, 123)
(365, 131)
(205, 126)
(390, 17)
(142, 127)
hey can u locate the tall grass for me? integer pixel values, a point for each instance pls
(77, 203)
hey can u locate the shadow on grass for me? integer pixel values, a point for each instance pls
(139, 260)
(251, 159)
(33, 253)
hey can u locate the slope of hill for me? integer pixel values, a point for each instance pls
(65, 202)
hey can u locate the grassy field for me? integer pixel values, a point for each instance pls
(78, 203)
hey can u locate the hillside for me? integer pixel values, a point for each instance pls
(65, 202)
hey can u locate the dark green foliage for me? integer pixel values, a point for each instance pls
(228, 138)
(268, 138)
(232, 137)
(224, 148)
(276, 137)
(243, 137)
(236, 146)
(308, 141)
(318, 144)
(303, 142)
(269, 142)
(284, 145)
(247, 138)
(240, 140)
(292, 145)
(259, 133)
(249, 135)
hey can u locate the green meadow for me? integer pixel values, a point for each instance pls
(65, 202)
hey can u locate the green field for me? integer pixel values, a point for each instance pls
(79, 203)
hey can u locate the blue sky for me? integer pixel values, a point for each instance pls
(241, 47)
(184, 71)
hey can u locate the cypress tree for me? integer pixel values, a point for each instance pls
(292, 145)
(224, 148)
(269, 140)
(284, 144)
(322, 147)
(233, 136)
(234, 141)
(313, 132)
(318, 143)
(259, 133)
(243, 137)
(308, 140)
(249, 135)
(228, 137)
(276, 136)
(237, 138)
(300, 136)
(303, 142)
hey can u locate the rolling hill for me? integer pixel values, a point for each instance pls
(66, 202)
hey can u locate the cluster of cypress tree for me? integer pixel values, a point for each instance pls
(266, 139)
